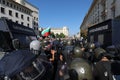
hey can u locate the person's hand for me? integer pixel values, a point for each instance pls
(53, 52)
(61, 57)
(60, 73)
(44, 49)
(51, 59)
(53, 55)
(82, 49)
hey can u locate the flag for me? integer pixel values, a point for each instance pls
(46, 32)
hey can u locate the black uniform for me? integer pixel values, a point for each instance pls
(102, 70)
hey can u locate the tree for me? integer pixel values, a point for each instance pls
(52, 34)
(57, 35)
(84, 33)
(62, 35)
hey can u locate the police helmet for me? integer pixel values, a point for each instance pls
(80, 69)
(45, 43)
(64, 42)
(77, 52)
(84, 41)
(87, 55)
(91, 46)
(97, 44)
(69, 42)
(99, 53)
(35, 46)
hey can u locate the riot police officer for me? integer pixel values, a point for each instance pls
(89, 52)
(102, 67)
(35, 47)
(69, 43)
(77, 52)
(98, 53)
(79, 68)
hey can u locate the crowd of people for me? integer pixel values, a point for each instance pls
(75, 59)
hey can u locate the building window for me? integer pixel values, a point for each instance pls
(113, 1)
(104, 14)
(11, 5)
(2, 10)
(10, 19)
(37, 28)
(101, 39)
(28, 19)
(34, 28)
(14, 6)
(113, 13)
(7, 3)
(10, 12)
(36, 24)
(22, 23)
(103, 2)
(17, 7)
(0, 1)
(28, 25)
(17, 22)
(16, 14)
(22, 17)
(98, 19)
(103, 17)
(28, 12)
(113, 9)
(3, 1)
(34, 18)
(25, 10)
(92, 38)
(20, 9)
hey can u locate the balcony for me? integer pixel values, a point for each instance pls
(113, 2)
(113, 5)
(103, 2)
(104, 13)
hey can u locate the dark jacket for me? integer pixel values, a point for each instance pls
(102, 71)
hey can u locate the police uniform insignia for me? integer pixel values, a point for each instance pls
(82, 70)
(106, 73)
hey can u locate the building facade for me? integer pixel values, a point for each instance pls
(100, 11)
(63, 30)
(21, 12)
(77, 35)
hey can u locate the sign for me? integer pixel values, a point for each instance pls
(14, 27)
(22, 29)
(99, 29)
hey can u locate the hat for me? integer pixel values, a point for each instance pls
(108, 55)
